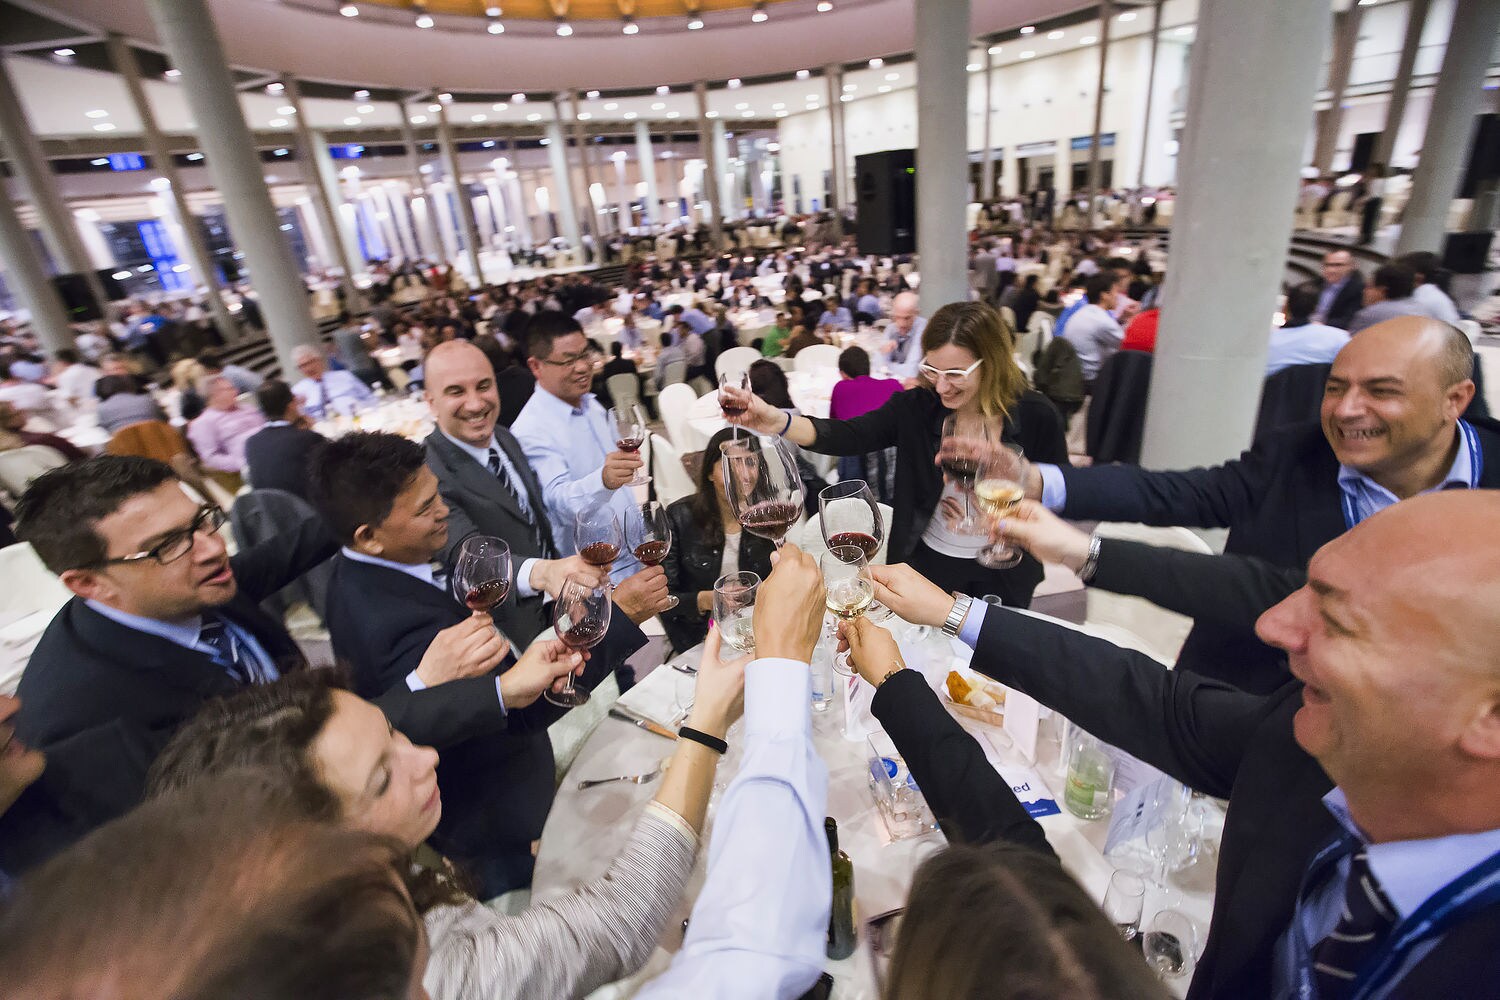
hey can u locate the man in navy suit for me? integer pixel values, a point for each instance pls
(276, 455)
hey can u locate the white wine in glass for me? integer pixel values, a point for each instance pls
(997, 492)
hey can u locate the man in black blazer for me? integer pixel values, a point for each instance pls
(276, 455)
(1395, 699)
(387, 611)
(490, 489)
(163, 620)
(1390, 429)
(1342, 291)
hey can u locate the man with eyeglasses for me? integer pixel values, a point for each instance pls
(164, 619)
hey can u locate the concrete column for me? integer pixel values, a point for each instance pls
(424, 217)
(401, 213)
(1238, 172)
(1062, 173)
(1345, 36)
(123, 59)
(622, 191)
(562, 180)
(712, 170)
(317, 239)
(28, 282)
(1140, 177)
(647, 159)
(29, 165)
(728, 191)
(987, 149)
(520, 215)
(1395, 109)
(460, 194)
(1106, 16)
(590, 214)
(94, 243)
(322, 187)
(442, 217)
(1010, 173)
(423, 238)
(942, 151)
(346, 233)
(192, 42)
(498, 208)
(839, 174)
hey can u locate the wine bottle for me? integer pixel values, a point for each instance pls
(841, 921)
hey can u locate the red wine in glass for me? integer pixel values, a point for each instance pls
(860, 539)
(581, 617)
(732, 408)
(629, 444)
(599, 553)
(585, 633)
(485, 595)
(770, 519)
(651, 553)
(962, 470)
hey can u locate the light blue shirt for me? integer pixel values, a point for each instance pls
(1308, 344)
(336, 392)
(1409, 872)
(186, 634)
(482, 456)
(838, 319)
(907, 356)
(700, 321)
(760, 925)
(566, 446)
(423, 572)
(1067, 314)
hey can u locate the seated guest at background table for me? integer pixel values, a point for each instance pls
(760, 924)
(565, 434)
(835, 316)
(123, 402)
(698, 320)
(671, 351)
(903, 349)
(619, 365)
(1040, 934)
(325, 392)
(1140, 332)
(1426, 268)
(867, 303)
(13, 427)
(219, 433)
(774, 340)
(329, 746)
(161, 873)
(243, 378)
(1341, 292)
(801, 337)
(694, 351)
(707, 543)
(187, 376)
(1367, 780)
(1390, 429)
(21, 393)
(1092, 330)
(74, 379)
(1025, 300)
(968, 359)
(276, 456)
(1300, 340)
(163, 619)
(1388, 295)
(855, 394)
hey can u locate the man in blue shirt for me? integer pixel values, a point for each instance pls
(1300, 340)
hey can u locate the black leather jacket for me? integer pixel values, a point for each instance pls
(693, 565)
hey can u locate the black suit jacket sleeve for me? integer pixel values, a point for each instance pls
(1194, 729)
(1201, 498)
(970, 799)
(445, 714)
(1228, 590)
(261, 570)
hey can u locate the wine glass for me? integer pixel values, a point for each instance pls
(581, 616)
(966, 440)
(851, 516)
(739, 381)
(763, 486)
(598, 536)
(628, 424)
(734, 609)
(481, 573)
(850, 590)
(650, 537)
(1124, 901)
(1170, 944)
(1000, 486)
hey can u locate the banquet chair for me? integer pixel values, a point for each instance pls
(28, 602)
(675, 374)
(624, 389)
(736, 360)
(670, 478)
(674, 404)
(1160, 632)
(19, 466)
(810, 538)
(818, 356)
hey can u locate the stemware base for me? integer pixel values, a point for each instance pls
(567, 699)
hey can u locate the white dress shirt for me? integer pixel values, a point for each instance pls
(1437, 302)
(566, 446)
(760, 925)
(905, 358)
(337, 391)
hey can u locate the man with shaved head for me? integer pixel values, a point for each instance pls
(1390, 429)
(903, 351)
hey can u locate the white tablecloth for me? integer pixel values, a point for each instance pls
(404, 415)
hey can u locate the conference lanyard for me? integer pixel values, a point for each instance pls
(1471, 892)
(1476, 467)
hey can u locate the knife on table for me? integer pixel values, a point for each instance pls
(635, 720)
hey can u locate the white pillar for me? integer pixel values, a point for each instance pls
(1395, 111)
(987, 149)
(442, 216)
(647, 161)
(94, 243)
(1010, 173)
(942, 151)
(622, 192)
(561, 190)
(28, 282)
(712, 170)
(1345, 36)
(317, 237)
(728, 199)
(1238, 172)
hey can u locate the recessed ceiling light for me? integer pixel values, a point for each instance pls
(592, 95)
(282, 151)
(492, 11)
(803, 74)
(361, 95)
(994, 50)
(630, 116)
(811, 98)
(351, 120)
(973, 67)
(96, 113)
(104, 127)
(777, 106)
(1028, 54)
(286, 109)
(694, 23)
(611, 106)
(584, 116)
(1087, 40)
(876, 63)
(1055, 35)
(271, 88)
(172, 74)
(366, 109)
(502, 106)
(846, 98)
(850, 88)
(1128, 16)
(1186, 29)
(658, 106)
(495, 28)
(278, 123)
(64, 53)
(518, 98)
(479, 118)
(349, 10)
(434, 108)
(629, 28)
(425, 21)
(741, 106)
(812, 107)
(747, 114)
(445, 98)
(824, 6)
(418, 119)
(781, 114)
(103, 161)
(893, 77)
(673, 114)
(884, 88)
(191, 156)
(663, 90)
(710, 114)
(1027, 30)
(734, 83)
(535, 116)
(564, 29)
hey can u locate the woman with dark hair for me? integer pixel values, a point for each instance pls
(339, 760)
(122, 402)
(768, 382)
(707, 543)
(967, 369)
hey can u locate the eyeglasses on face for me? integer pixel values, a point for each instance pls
(951, 374)
(570, 361)
(176, 544)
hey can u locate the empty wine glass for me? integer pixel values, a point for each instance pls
(849, 590)
(734, 609)
(1170, 944)
(1000, 486)
(763, 485)
(684, 686)
(966, 441)
(628, 424)
(650, 537)
(581, 617)
(1124, 901)
(598, 536)
(481, 573)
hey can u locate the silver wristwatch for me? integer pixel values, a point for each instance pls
(957, 615)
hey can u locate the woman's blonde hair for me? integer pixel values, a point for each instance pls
(187, 374)
(982, 332)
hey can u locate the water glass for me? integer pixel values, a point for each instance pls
(1124, 901)
(734, 609)
(1170, 944)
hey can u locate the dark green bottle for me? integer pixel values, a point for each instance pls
(841, 933)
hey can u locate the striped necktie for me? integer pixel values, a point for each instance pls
(226, 654)
(518, 492)
(1359, 934)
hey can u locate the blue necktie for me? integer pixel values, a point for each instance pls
(1362, 929)
(226, 654)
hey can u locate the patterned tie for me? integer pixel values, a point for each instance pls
(226, 653)
(497, 469)
(1358, 936)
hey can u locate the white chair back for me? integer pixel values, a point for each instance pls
(674, 404)
(811, 538)
(674, 374)
(735, 360)
(815, 357)
(624, 389)
(1161, 632)
(1471, 329)
(19, 466)
(29, 600)
(672, 480)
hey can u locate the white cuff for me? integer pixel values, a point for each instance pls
(523, 579)
(414, 682)
(1054, 487)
